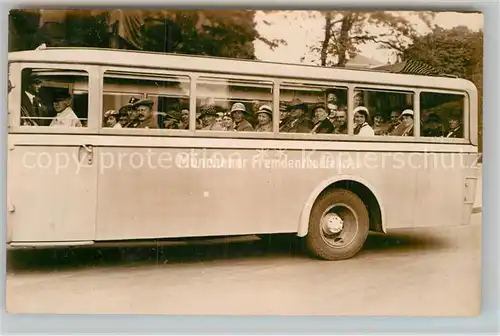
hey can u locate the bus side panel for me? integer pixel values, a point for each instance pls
(52, 195)
(144, 200)
(440, 190)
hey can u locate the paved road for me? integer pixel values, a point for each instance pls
(410, 272)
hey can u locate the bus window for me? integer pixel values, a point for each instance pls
(442, 114)
(54, 97)
(132, 100)
(313, 109)
(234, 104)
(388, 112)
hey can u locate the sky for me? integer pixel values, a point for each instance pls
(299, 29)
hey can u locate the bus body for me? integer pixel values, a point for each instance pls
(70, 186)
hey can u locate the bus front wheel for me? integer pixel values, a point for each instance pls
(338, 225)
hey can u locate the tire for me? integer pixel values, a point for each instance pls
(329, 244)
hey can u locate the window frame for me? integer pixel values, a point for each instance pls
(93, 93)
(141, 131)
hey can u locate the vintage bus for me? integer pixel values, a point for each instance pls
(166, 172)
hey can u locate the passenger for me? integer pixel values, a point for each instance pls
(332, 109)
(340, 122)
(33, 110)
(171, 120)
(283, 113)
(361, 120)
(379, 127)
(199, 122)
(218, 119)
(331, 98)
(208, 116)
(433, 127)
(455, 130)
(111, 119)
(297, 120)
(323, 124)
(406, 126)
(265, 118)
(131, 111)
(146, 116)
(123, 117)
(227, 122)
(238, 112)
(395, 122)
(184, 122)
(65, 117)
(358, 99)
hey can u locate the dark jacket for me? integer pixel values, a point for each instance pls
(296, 125)
(324, 126)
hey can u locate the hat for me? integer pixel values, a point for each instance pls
(407, 112)
(109, 113)
(319, 105)
(171, 114)
(238, 107)
(361, 109)
(208, 110)
(142, 102)
(61, 94)
(433, 117)
(296, 103)
(265, 109)
(455, 116)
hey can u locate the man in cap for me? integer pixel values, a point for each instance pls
(65, 116)
(455, 130)
(146, 116)
(297, 120)
(33, 109)
(238, 111)
(129, 113)
(433, 127)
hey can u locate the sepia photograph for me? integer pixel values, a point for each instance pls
(244, 162)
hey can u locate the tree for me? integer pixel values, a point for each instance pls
(457, 51)
(225, 33)
(345, 31)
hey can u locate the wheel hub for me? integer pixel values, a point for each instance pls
(332, 224)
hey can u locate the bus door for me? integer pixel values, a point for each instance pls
(52, 163)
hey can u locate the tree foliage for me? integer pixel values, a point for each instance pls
(225, 33)
(346, 31)
(457, 51)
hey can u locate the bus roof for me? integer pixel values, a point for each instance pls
(194, 63)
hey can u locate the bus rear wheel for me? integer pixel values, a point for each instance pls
(338, 225)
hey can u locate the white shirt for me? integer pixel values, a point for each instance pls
(366, 130)
(66, 118)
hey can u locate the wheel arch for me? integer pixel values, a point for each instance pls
(362, 188)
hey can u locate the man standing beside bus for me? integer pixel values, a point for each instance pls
(65, 117)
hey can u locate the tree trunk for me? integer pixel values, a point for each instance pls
(343, 40)
(326, 41)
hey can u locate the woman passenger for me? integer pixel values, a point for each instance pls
(111, 119)
(361, 118)
(227, 122)
(265, 119)
(407, 121)
(322, 123)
